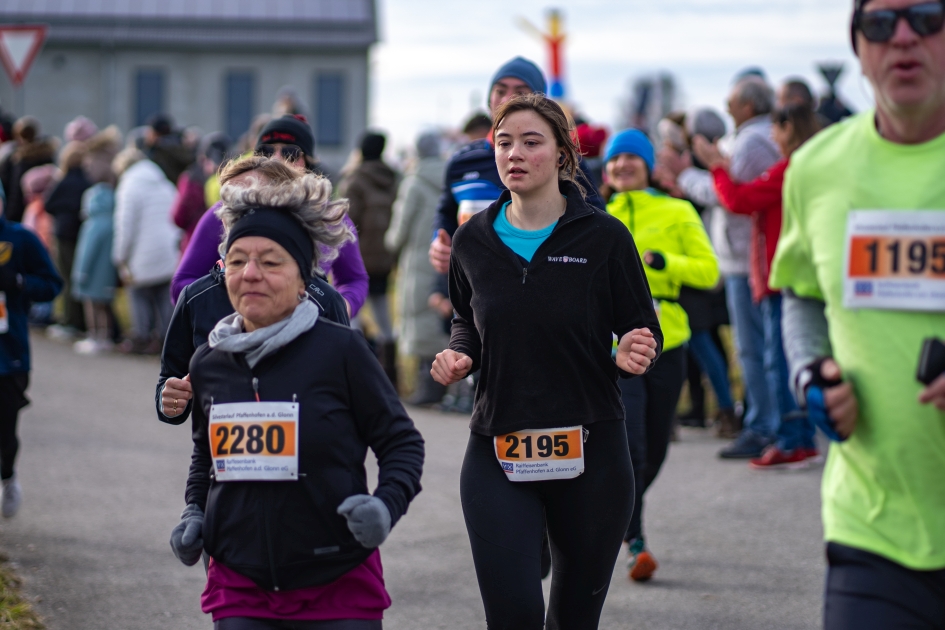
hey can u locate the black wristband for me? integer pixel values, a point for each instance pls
(811, 376)
(657, 261)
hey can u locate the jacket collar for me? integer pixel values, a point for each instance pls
(576, 207)
(751, 122)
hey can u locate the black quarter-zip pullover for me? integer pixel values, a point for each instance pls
(541, 332)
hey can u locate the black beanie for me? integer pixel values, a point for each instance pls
(289, 130)
(280, 226)
(372, 145)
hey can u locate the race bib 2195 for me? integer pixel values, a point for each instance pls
(541, 454)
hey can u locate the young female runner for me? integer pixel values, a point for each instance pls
(540, 282)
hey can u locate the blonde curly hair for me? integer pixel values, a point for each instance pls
(307, 198)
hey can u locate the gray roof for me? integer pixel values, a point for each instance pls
(275, 24)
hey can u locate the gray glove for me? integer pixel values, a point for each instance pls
(368, 519)
(187, 537)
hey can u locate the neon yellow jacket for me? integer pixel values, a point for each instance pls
(672, 227)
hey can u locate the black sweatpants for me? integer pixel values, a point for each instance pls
(12, 399)
(868, 592)
(650, 403)
(586, 519)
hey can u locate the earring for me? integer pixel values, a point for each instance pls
(301, 297)
(560, 160)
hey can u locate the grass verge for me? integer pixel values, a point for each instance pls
(16, 613)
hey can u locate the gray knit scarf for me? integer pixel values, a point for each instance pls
(228, 334)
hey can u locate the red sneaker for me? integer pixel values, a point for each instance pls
(812, 454)
(774, 458)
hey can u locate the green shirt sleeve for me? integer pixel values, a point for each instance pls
(793, 267)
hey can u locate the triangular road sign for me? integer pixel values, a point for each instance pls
(19, 45)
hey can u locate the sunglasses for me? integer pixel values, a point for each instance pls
(287, 152)
(879, 26)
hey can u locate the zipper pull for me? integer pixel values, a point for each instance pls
(585, 432)
(524, 274)
(256, 388)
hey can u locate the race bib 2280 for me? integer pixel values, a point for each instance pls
(255, 441)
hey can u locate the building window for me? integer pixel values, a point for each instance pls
(329, 106)
(240, 88)
(149, 94)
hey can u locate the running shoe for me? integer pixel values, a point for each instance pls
(774, 458)
(12, 497)
(640, 562)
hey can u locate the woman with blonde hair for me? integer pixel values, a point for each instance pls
(205, 302)
(286, 405)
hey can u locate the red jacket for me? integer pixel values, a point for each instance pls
(761, 200)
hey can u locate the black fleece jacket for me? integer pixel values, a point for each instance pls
(288, 534)
(542, 332)
(204, 303)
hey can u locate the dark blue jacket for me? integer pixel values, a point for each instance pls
(473, 178)
(41, 283)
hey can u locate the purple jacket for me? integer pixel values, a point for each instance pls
(348, 274)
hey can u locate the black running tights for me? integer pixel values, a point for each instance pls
(650, 402)
(586, 516)
(12, 399)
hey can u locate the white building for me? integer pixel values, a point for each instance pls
(209, 63)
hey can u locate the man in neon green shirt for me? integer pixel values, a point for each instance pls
(862, 202)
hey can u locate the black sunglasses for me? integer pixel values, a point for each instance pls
(879, 26)
(288, 152)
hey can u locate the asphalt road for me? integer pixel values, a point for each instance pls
(103, 485)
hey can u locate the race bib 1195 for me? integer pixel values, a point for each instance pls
(541, 454)
(255, 441)
(895, 260)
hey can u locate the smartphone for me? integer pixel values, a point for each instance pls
(931, 360)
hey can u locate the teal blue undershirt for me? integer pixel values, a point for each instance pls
(523, 242)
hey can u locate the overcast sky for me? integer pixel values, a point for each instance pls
(434, 61)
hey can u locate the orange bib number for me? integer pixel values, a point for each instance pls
(255, 441)
(541, 454)
(895, 260)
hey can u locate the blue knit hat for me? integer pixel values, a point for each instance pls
(524, 70)
(634, 142)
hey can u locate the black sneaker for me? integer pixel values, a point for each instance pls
(692, 418)
(747, 446)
